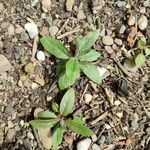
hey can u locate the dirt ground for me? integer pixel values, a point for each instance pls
(119, 112)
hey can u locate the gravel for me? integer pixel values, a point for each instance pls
(122, 29)
(107, 40)
(88, 97)
(53, 30)
(40, 56)
(142, 22)
(84, 144)
(131, 20)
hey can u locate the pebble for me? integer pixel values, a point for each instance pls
(88, 97)
(103, 32)
(95, 147)
(142, 22)
(46, 5)
(40, 56)
(84, 144)
(34, 2)
(89, 19)
(146, 3)
(30, 135)
(69, 5)
(118, 41)
(104, 73)
(122, 29)
(107, 40)
(32, 29)
(34, 85)
(142, 10)
(4, 65)
(49, 20)
(81, 15)
(4, 24)
(53, 30)
(24, 36)
(19, 29)
(109, 49)
(131, 20)
(10, 124)
(121, 3)
(117, 103)
(11, 30)
(9, 110)
(10, 134)
(2, 8)
(102, 140)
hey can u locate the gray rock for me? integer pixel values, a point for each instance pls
(102, 140)
(109, 49)
(32, 29)
(27, 144)
(2, 8)
(121, 3)
(118, 41)
(107, 40)
(84, 144)
(142, 10)
(49, 20)
(4, 64)
(122, 29)
(146, 3)
(40, 56)
(88, 97)
(53, 30)
(142, 22)
(95, 147)
(9, 110)
(89, 19)
(10, 134)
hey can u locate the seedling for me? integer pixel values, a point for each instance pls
(145, 51)
(72, 65)
(59, 122)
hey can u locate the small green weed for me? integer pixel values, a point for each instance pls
(145, 51)
(71, 65)
(59, 121)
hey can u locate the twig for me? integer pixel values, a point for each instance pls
(69, 33)
(86, 87)
(53, 86)
(122, 68)
(37, 138)
(66, 22)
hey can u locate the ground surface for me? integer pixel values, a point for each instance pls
(124, 122)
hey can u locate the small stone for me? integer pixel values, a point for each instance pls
(118, 41)
(104, 73)
(9, 110)
(10, 134)
(122, 29)
(4, 65)
(95, 147)
(49, 20)
(19, 29)
(89, 19)
(46, 5)
(146, 3)
(142, 22)
(94, 138)
(53, 30)
(102, 140)
(11, 30)
(22, 123)
(2, 8)
(34, 85)
(109, 49)
(81, 15)
(121, 3)
(40, 56)
(39, 80)
(34, 2)
(31, 29)
(30, 135)
(131, 20)
(24, 36)
(84, 144)
(119, 114)
(10, 124)
(103, 32)
(117, 103)
(4, 25)
(107, 40)
(69, 5)
(142, 10)
(88, 97)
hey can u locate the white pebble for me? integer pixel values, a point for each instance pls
(107, 40)
(142, 10)
(104, 73)
(146, 3)
(31, 29)
(131, 20)
(117, 103)
(122, 29)
(40, 56)
(95, 147)
(142, 22)
(88, 97)
(84, 144)
(34, 85)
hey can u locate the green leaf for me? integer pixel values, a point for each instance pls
(140, 60)
(64, 82)
(55, 107)
(67, 102)
(54, 47)
(78, 127)
(147, 51)
(46, 115)
(91, 72)
(45, 123)
(142, 43)
(92, 55)
(86, 42)
(72, 69)
(57, 137)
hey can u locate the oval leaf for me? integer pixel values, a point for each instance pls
(86, 42)
(140, 60)
(142, 43)
(54, 47)
(46, 115)
(42, 124)
(78, 127)
(57, 137)
(92, 55)
(91, 72)
(67, 102)
(147, 51)
(72, 69)
(55, 107)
